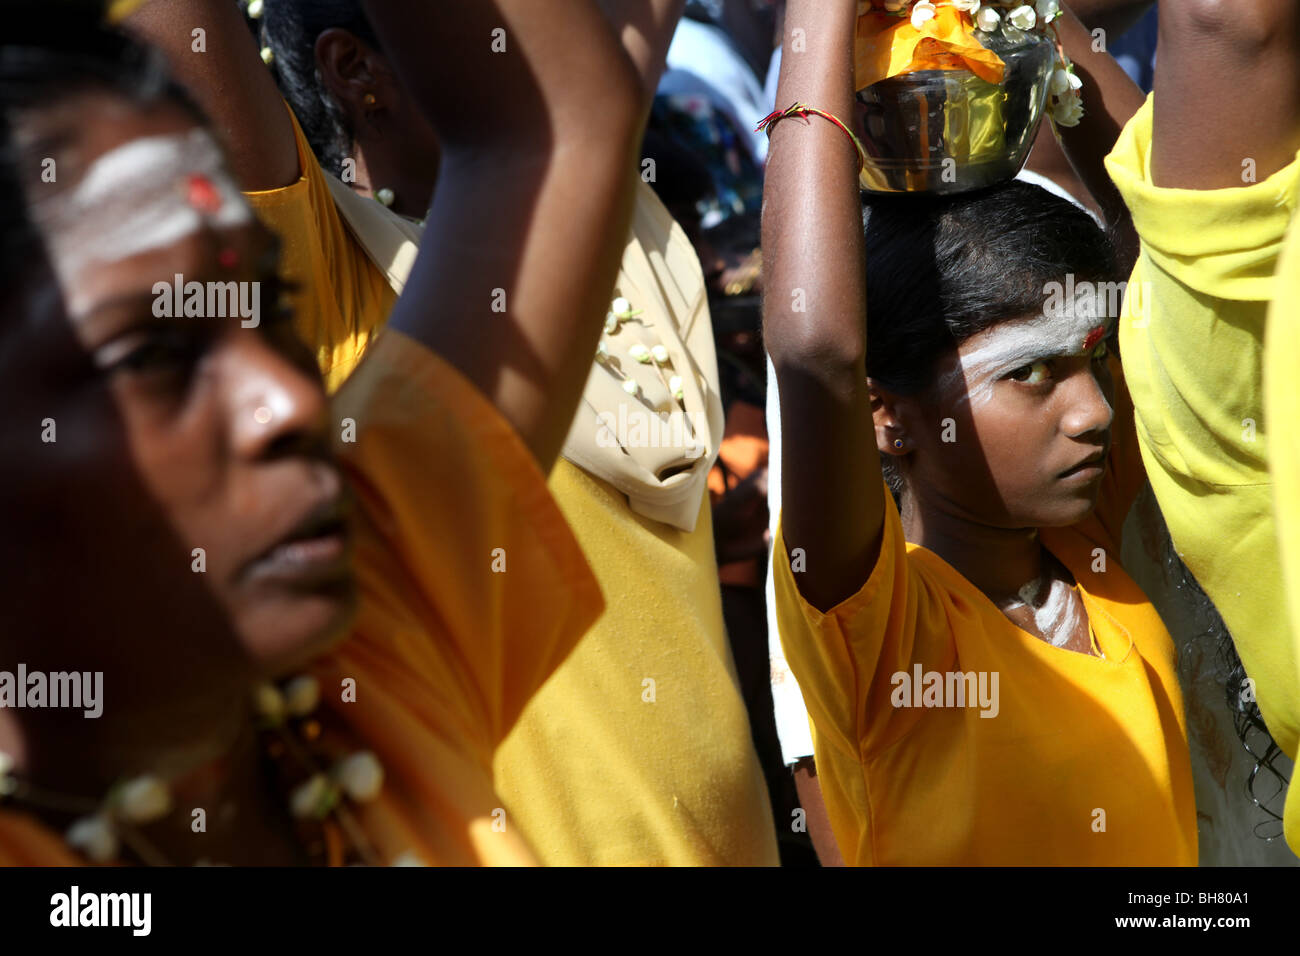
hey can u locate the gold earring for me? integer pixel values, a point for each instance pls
(369, 99)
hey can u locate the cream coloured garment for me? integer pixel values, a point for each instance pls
(652, 446)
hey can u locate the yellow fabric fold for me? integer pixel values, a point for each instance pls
(889, 45)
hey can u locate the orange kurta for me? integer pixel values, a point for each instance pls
(474, 590)
(1068, 760)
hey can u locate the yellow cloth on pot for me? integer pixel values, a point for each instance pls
(888, 45)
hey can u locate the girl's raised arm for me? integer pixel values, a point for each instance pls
(539, 112)
(814, 312)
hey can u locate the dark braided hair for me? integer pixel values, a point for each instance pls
(290, 28)
(1211, 640)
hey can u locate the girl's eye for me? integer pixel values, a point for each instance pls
(1034, 374)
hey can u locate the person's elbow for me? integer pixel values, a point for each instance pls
(1244, 26)
(807, 349)
(615, 108)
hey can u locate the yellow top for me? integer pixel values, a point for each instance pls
(1282, 412)
(1192, 337)
(473, 592)
(339, 317)
(1042, 756)
(638, 750)
(452, 639)
(602, 770)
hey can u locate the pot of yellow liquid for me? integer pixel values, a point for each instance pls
(949, 131)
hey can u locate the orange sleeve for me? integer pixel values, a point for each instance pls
(465, 558)
(342, 299)
(473, 591)
(844, 659)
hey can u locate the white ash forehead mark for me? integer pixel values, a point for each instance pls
(1012, 345)
(133, 199)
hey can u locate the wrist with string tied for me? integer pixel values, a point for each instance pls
(804, 110)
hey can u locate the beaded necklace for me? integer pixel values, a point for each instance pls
(319, 778)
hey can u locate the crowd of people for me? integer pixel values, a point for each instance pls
(500, 432)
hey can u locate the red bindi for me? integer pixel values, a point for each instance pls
(1095, 336)
(202, 194)
(229, 258)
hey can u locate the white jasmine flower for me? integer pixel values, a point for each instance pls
(7, 783)
(1023, 18)
(360, 775)
(144, 799)
(311, 798)
(269, 702)
(1060, 81)
(660, 353)
(639, 353)
(1067, 110)
(1048, 10)
(923, 11)
(302, 695)
(987, 19)
(94, 837)
(966, 6)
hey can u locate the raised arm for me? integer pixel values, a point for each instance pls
(646, 29)
(539, 112)
(223, 70)
(814, 312)
(1110, 98)
(1227, 91)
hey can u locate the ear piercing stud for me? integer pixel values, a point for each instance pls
(898, 443)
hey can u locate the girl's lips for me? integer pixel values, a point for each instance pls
(1084, 473)
(1091, 467)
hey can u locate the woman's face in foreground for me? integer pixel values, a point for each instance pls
(222, 412)
(1015, 431)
